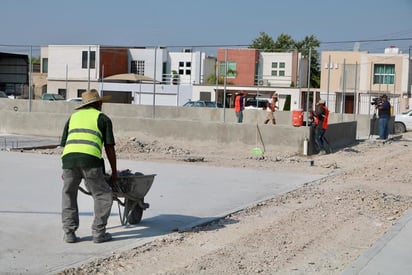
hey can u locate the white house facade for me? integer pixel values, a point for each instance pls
(73, 69)
(279, 69)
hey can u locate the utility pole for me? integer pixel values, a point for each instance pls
(308, 91)
(409, 74)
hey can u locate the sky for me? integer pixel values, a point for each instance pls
(337, 24)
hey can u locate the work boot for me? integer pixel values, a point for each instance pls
(103, 238)
(70, 237)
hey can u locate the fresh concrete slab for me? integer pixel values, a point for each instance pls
(181, 197)
(10, 142)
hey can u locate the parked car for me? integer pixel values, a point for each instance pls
(198, 103)
(213, 104)
(403, 122)
(252, 103)
(51, 97)
(202, 103)
(3, 94)
(75, 99)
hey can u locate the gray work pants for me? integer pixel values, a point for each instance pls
(101, 193)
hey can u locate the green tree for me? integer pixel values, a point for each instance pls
(311, 43)
(35, 60)
(264, 42)
(175, 77)
(284, 42)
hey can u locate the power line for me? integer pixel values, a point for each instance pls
(244, 45)
(368, 40)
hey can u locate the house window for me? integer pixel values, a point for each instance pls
(384, 74)
(278, 69)
(133, 66)
(85, 55)
(45, 65)
(79, 92)
(231, 69)
(185, 67)
(92, 60)
(84, 59)
(62, 92)
(137, 67)
(165, 76)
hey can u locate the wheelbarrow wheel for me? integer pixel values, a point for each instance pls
(135, 215)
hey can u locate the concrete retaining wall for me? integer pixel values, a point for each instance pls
(204, 125)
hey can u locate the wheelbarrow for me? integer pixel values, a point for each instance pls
(129, 192)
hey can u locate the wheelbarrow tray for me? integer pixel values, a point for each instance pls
(133, 187)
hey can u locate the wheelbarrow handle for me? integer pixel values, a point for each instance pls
(84, 191)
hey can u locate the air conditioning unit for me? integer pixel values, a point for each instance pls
(263, 82)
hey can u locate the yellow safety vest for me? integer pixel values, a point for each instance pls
(84, 135)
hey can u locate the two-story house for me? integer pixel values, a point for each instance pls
(259, 74)
(351, 79)
(74, 68)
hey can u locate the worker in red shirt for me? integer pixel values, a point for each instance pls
(321, 116)
(239, 106)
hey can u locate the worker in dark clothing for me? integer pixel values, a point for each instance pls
(384, 113)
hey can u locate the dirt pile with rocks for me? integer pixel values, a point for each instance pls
(319, 228)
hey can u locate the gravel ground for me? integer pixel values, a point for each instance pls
(318, 229)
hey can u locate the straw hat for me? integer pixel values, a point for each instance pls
(89, 97)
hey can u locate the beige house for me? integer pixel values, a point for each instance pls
(351, 79)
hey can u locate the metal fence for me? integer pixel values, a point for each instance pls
(346, 99)
(360, 103)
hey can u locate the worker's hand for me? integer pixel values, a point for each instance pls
(113, 178)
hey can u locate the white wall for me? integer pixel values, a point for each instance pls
(200, 68)
(166, 95)
(265, 68)
(66, 61)
(148, 56)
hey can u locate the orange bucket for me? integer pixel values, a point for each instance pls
(297, 118)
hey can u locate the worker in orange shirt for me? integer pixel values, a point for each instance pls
(321, 116)
(239, 106)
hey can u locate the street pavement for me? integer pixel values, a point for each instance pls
(390, 255)
(182, 196)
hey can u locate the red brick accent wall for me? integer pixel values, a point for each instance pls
(246, 64)
(114, 61)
